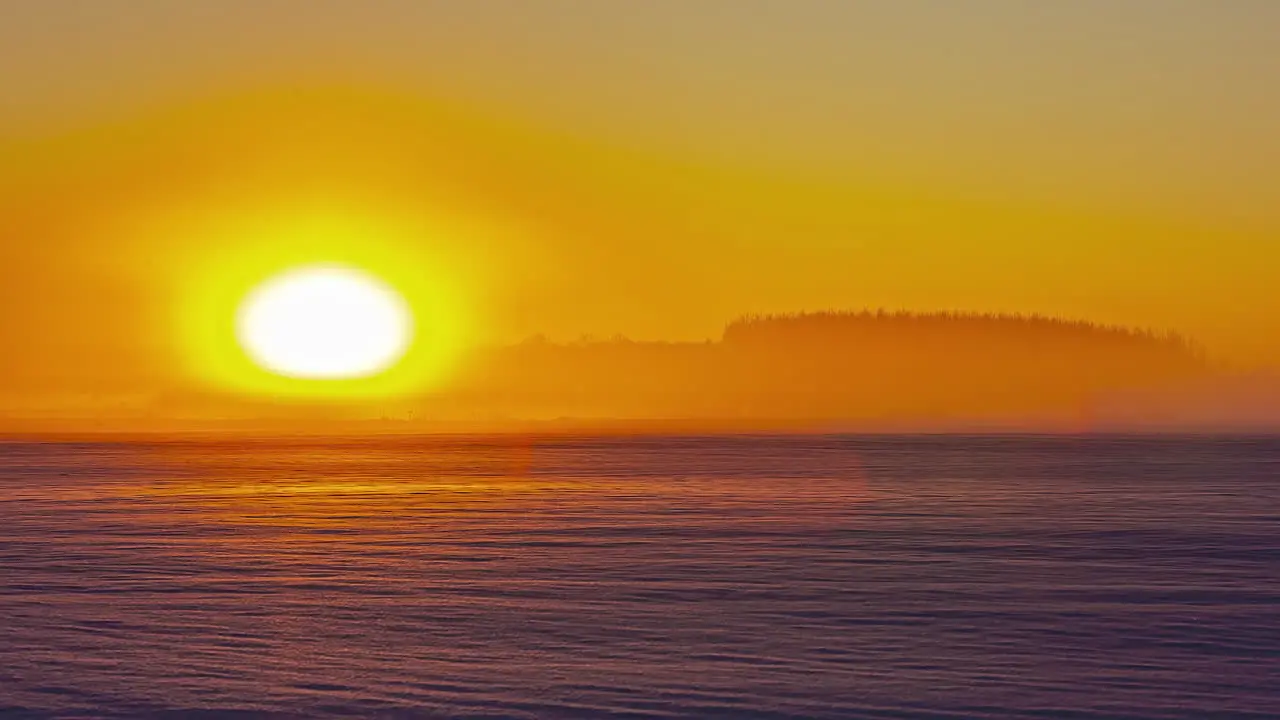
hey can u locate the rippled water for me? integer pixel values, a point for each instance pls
(723, 577)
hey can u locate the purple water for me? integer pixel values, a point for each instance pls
(711, 577)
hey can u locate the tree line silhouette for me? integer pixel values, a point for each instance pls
(869, 365)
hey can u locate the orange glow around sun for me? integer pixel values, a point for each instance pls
(320, 300)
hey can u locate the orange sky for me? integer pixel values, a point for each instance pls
(651, 169)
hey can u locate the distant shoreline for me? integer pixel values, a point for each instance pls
(564, 428)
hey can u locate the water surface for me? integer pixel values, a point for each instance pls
(697, 577)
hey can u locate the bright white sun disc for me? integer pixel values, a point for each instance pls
(324, 322)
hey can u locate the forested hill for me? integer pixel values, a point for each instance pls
(833, 365)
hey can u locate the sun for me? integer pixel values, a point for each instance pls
(324, 322)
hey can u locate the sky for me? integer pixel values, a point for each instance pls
(656, 168)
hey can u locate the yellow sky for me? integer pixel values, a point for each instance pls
(653, 168)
